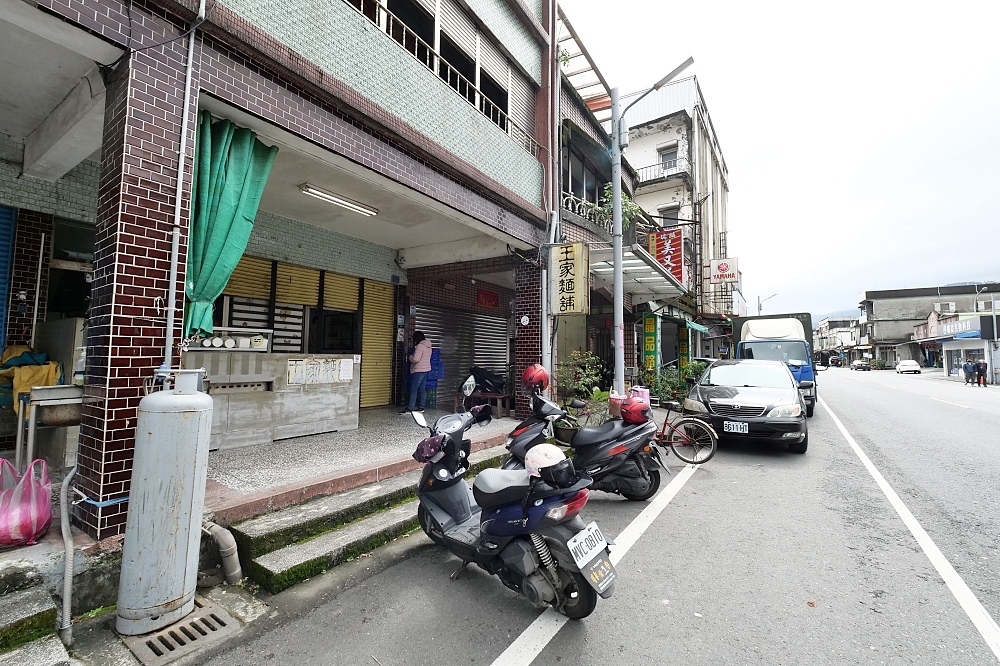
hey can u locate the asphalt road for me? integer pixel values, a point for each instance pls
(762, 557)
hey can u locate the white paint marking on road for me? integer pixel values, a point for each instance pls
(533, 640)
(980, 617)
(950, 403)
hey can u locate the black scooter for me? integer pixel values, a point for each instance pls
(620, 457)
(522, 529)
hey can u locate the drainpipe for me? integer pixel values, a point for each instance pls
(66, 620)
(227, 551)
(175, 241)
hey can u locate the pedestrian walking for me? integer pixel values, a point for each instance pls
(981, 372)
(420, 367)
(970, 370)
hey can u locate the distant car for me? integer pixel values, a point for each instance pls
(908, 366)
(759, 401)
(860, 365)
(836, 362)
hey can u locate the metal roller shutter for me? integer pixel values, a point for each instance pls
(522, 102)
(376, 344)
(459, 27)
(251, 278)
(297, 284)
(6, 236)
(492, 61)
(340, 292)
(465, 339)
(288, 328)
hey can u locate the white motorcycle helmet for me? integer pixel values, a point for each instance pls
(542, 456)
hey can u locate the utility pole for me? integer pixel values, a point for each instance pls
(618, 133)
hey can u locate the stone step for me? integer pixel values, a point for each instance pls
(47, 651)
(270, 532)
(282, 568)
(26, 616)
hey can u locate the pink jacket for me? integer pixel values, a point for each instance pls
(421, 357)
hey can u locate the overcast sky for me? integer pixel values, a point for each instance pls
(862, 138)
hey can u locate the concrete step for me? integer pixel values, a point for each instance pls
(288, 546)
(282, 568)
(26, 616)
(47, 651)
(264, 534)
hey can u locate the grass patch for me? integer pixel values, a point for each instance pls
(27, 630)
(100, 610)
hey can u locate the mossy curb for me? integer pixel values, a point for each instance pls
(27, 630)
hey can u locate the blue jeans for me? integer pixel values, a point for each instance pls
(418, 382)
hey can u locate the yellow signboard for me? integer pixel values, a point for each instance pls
(569, 279)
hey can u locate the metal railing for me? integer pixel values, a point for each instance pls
(587, 210)
(662, 170)
(400, 33)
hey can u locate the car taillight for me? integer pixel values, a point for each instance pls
(568, 508)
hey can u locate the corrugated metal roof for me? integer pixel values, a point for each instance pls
(671, 98)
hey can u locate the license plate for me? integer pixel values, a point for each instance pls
(586, 544)
(736, 426)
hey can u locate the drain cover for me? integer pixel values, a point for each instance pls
(206, 624)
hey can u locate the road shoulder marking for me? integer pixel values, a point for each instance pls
(949, 403)
(980, 617)
(540, 633)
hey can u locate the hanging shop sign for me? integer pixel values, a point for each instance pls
(725, 270)
(569, 279)
(683, 346)
(665, 247)
(487, 299)
(651, 341)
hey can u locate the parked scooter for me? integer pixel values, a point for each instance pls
(619, 455)
(520, 525)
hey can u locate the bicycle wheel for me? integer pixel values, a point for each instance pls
(692, 441)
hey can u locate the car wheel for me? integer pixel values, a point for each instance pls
(800, 447)
(810, 408)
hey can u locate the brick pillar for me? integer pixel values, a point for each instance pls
(126, 333)
(24, 274)
(528, 344)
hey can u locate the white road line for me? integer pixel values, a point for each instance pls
(950, 403)
(533, 640)
(980, 617)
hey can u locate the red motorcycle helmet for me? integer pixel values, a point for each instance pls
(535, 377)
(635, 411)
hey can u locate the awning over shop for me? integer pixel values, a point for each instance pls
(644, 277)
(697, 327)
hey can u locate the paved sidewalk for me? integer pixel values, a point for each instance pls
(250, 480)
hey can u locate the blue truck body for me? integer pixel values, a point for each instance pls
(780, 337)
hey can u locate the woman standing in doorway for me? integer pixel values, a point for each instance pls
(420, 367)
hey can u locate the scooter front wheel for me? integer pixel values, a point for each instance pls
(430, 526)
(582, 598)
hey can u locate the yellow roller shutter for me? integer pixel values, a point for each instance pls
(340, 292)
(252, 278)
(297, 284)
(376, 345)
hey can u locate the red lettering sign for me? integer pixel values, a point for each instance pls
(665, 246)
(487, 299)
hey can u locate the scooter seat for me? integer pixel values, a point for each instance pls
(605, 432)
(494, 487)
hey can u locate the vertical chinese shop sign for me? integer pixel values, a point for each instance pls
(665, 247)
(569, 279)
(651, 341)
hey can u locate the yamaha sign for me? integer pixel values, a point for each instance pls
(725, 270)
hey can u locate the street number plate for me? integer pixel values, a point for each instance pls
(586, 544)
(736, 426)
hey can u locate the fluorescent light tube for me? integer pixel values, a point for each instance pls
(337, 200)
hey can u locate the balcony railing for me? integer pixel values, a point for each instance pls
(663, 170)
(587, 210)
(399, 32)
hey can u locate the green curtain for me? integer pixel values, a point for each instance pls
(231, 169)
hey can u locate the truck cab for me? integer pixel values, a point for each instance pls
(780, 338)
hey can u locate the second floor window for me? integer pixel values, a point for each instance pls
(668, 158)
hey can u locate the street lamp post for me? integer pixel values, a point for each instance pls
(760, 302)
(616, 216)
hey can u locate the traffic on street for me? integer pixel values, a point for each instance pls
(878, 547)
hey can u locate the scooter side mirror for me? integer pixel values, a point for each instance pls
(577, 404)
(419, 418)
(469, 385)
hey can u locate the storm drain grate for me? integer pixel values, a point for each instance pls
(206, 624)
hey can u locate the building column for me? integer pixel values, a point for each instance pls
(528, 344)
(126, 331)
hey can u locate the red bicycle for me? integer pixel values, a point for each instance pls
(692, 440)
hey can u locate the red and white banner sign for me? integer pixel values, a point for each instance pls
(665, 247)
(725, 270)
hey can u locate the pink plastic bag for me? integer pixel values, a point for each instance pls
(25, 503)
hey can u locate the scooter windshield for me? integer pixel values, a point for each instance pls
(452, 423)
